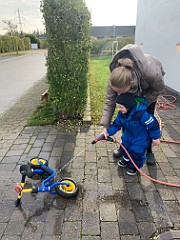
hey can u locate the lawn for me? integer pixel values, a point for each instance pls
(98, 79)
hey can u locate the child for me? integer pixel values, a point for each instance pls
(139, 128)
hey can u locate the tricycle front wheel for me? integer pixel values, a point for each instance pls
(67, 191)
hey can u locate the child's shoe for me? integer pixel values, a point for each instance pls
(131, 171)
(122, 163)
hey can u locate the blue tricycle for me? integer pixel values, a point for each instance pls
(66, 187)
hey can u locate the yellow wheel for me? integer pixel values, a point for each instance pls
(67, 191)
(33, 162)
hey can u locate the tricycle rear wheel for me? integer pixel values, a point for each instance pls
(33, 162)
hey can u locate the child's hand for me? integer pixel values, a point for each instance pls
(156, 142)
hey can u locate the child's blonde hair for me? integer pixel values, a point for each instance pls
(122, 76)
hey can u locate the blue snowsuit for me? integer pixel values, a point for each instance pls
(139, 128)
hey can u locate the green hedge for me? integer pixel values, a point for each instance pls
(13, 43)
(68, 40)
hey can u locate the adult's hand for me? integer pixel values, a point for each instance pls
(104, 132)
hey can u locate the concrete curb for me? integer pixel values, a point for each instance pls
(87, 113)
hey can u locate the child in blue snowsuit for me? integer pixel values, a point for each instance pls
(139, 127)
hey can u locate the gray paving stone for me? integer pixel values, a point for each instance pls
(78, 163)
(6, 210)
(158, 210)
(105, 191)
(173, 210)
(47, 146)
(79, 151)
(135, 191)
(2, 228)
(91, 169)
(146, 229)
(73, 211)
(141, 211)
(15, 228)
(34, 152)
(10, 237)
(130, 237)
(54, 223)
(50, 237)
(18, 146)
(104, 175)
(173, 179)
(91, 238)
(109, 230)
(169, 235)
(45, 154)
(11, 159)
(102, 162)
(108, 212)
(52, 138)
(168, 151)
(38, 143)
(56, 152)
(27, 150)
(33, 231)
(90, 223)
(166, 193)
(71, 231)
(32, 139)
(90, 156)
(21, 141)
(127, 223)
(3, 152)
(167, 169)
(15, 152)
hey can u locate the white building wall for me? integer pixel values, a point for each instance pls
(158, 30)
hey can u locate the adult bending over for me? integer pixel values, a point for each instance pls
(138, 73)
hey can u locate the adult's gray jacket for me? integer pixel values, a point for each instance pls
(149, 73)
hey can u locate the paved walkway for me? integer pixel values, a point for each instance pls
(110, 204)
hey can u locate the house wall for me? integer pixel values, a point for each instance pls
(158, 31)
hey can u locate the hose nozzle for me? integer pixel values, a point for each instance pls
(102, 138)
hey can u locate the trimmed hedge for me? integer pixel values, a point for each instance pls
(68, 40)
(13, 43)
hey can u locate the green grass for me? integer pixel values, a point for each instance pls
(43, 115)
(98, 79)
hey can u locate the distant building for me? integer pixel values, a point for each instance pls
(42, 36)
(112, 31)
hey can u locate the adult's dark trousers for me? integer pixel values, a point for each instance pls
(151, 110)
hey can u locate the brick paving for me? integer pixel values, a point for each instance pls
(110, 204)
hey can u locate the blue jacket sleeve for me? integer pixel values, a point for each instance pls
(115, 126)
(152, 125)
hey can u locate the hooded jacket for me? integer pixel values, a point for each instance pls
(139, 125)
(149, 82)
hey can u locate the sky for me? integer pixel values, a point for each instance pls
(103, 13)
